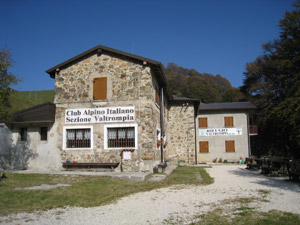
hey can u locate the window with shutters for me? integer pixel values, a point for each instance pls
(100, 88)
(230, 146)
(228, 121)
(157, 98)
(204, 147)
(77, 138)
(203, 122)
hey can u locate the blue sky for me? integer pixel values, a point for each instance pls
(212, 36)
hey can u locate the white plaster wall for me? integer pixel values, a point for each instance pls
(217, 143)
(5, 147)
(35, 154)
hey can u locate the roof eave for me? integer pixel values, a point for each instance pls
(157, 67)
(99, 49)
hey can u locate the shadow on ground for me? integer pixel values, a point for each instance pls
(282, 183)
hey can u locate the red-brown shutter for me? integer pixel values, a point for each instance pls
(203, 122)
(157, 98)
(204, 147)
(228, 121)
(230, 146)
(100, 88)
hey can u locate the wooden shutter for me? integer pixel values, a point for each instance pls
(228, 121)
(203, 122)
(230, 146)
(157, 97)
(204, 147)
(100, 88)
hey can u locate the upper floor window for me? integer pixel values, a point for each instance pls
(157, 98)
(203, 122)
(100, 88)
(228, 121)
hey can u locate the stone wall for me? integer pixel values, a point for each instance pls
(128, 84)
(74, 84)
(181, 133)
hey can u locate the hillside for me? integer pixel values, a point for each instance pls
(25, 99)
(206, 87)
(181, 81)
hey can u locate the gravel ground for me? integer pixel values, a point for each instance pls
(185, 202)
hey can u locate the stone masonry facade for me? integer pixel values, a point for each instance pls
(182, 133)
(128, 84)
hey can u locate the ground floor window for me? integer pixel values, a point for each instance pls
(120, 136)
(230, 146)
(204, 147)
(77, 137)
(44, 133)
(23, 133)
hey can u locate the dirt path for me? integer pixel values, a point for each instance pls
(157, 206)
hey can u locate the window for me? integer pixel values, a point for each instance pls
(44, 133)
(230, 146)
(204, 147)
(203, 122)
(100, 88)
(77, 138)
(23, 134)
(120, 136)
(228, 121)
(157, 98)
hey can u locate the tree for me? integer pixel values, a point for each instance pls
(190, 83)
(7, 79)
(273, 83)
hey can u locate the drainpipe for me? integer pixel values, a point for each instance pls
(162, 130)
(195, 128)
(195, 121)
(248, 134)
(139, 122)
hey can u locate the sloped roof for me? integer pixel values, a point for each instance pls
(44, 112)
(185, 99)
(226, 106)
(156, 66)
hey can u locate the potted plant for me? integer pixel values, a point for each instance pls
(181, 161)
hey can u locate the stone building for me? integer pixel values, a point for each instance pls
(113, 107)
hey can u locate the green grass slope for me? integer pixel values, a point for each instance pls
(25, 99)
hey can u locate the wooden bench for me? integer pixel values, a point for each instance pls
(89, 166)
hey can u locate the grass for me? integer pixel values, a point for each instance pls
(24, 99)
(238, 211)
(84, 191)
(243, 213)
(250, 217)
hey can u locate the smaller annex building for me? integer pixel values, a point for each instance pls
(223, 131)
(113, 107)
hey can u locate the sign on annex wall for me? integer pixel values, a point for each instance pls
(220, 132)
(100, 115)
